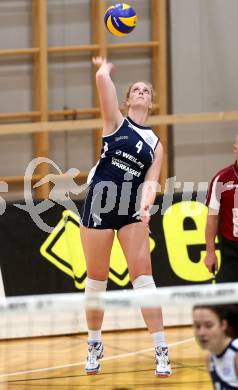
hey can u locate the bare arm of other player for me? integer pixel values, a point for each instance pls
(150, 185)
(111, 115)
(210, 260)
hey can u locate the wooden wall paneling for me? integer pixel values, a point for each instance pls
(99, 46)
(159, 73)
(19, 115)
(19, 180)
(40, 89)
(18, 52)
(99, 38)
(73, 48)
(132, 45)
(91, 124)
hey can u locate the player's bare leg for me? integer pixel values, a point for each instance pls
(134, 240)
(97, 245)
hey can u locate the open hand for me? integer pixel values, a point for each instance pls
(101, 61)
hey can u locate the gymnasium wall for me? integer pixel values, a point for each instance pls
(204, 64)
(203, 78)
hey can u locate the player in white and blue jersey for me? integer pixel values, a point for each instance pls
(216, 330)
(118, 177)
(122, 190)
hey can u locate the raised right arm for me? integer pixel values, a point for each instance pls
(111, 115)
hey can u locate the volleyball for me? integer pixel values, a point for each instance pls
(120, 19)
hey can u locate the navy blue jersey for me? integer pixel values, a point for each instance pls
(222, 368)
(130, 148)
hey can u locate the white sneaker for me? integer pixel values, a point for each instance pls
(95, 353)
(163, 368)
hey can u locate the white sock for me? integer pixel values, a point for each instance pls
(94, 336)
(159, 339)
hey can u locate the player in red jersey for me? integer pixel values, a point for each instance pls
(222, 202)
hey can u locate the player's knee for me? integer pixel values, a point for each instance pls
(143, 281)
(93, 285)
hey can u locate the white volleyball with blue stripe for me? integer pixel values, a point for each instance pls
(120, 19)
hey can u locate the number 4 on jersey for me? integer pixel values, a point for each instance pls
(139, 146)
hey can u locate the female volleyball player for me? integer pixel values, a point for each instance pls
(216, 330)
(121, 192)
